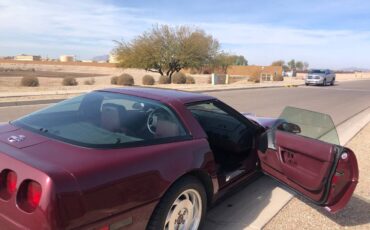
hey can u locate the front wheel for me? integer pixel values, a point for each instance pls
(324, 82)
(183, 207)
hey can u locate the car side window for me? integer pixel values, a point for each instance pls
(106, 120)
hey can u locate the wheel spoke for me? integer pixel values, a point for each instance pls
(185, 212)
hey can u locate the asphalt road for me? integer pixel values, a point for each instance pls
(340, 101)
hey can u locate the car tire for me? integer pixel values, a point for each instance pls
(332, 81)
(183, 195)
(307, 84)
(324, 82)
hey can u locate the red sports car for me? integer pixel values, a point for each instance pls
(144, 158)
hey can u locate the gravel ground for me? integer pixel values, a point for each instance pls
(300, 214)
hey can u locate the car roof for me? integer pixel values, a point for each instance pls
(160, 94)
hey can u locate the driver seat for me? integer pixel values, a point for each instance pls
(166, 128)
(111, 117)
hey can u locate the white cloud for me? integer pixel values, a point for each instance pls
(88, 23)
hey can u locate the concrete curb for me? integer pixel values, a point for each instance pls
(48, 101)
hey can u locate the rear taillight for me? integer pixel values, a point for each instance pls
(33, 194)
(11, 182)
(8, 183)
(29, 195)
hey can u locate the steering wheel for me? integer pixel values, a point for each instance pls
(151, 122)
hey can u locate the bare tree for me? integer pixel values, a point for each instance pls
(167, 50)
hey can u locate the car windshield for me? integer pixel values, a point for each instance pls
(312, 124)
(103, 119)
(320, 71)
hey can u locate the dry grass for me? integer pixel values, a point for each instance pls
(300, 214)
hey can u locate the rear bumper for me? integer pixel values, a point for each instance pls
(11, 214)
(7, 223)
(133, 219)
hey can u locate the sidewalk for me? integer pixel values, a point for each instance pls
(300, 214)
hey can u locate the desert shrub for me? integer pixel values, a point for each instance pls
(163, 80)
(125, 79)
(69, 81)
(113, 80)
(194, 71)
(255, 77)
(278, 78)
(179, 78)
(30, 81)
(90, 81)
(190, 80)
(148, 80)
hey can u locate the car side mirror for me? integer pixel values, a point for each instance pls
(289, 127)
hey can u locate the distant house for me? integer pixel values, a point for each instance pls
(266, 73)
(113, 58)
(25, 57)
(67, 58)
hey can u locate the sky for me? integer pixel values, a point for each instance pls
(327, 34)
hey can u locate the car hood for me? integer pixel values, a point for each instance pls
(316, 74)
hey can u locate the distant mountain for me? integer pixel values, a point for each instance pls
(354, 69)
(101, 58)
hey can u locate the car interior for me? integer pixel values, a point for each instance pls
(231, 140)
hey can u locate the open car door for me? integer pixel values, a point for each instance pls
(302, 150)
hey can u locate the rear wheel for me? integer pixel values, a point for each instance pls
(182, 207)
(332, 81)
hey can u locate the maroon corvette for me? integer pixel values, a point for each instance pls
(143, 158)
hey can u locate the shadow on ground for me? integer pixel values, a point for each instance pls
(249, 208)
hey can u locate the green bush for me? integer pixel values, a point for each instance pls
(30, 81)
(125, 79)
(163, 80)
(69, 81)
(148, 80)
(113, 80)
(190, 80)
(90, 81)
(179, 78)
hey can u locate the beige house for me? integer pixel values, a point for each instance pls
(265, 73)
(113, 58)
(25, 57)
(67, 58)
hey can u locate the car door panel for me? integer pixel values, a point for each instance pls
(304, 162)
(313, 168)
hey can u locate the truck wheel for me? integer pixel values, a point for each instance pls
(332, 81)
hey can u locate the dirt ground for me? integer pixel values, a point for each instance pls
(300, 214)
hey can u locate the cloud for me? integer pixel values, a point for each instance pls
(88, 23)
(88, 28)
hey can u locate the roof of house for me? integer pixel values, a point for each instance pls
(252, 69)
